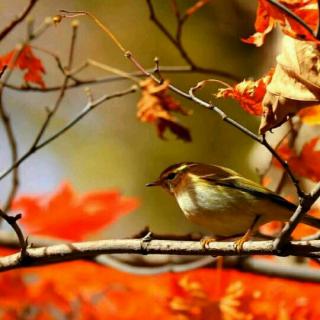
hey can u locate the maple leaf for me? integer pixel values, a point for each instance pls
(306, 164)
(268, 16)
(249, 94)
(66, 215)
(25, 61)
(156, 106)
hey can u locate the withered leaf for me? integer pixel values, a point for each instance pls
(156, 106)
(294, 85)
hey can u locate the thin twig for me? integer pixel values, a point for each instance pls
(61, 95)
(12, 141)
(177, 42)
(89, 107)
(17, 20)
(107, 79)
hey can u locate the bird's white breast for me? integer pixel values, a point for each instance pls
(225, 213)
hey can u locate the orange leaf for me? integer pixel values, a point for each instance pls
(311, 115)
(269, 15)
(26, 61)
(249, 94)
(181, 296)
(303, 230)
(306, 164)
(66, 215)
(156, 106)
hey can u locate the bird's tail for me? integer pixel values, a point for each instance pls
(311, 221)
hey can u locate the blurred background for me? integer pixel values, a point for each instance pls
(110, 148)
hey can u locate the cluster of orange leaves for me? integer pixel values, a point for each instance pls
(25, 60)
(73, 290)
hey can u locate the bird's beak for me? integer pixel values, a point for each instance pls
(154, 184)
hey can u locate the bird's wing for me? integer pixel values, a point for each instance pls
(241, 183)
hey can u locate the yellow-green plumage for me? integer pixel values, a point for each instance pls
(222, 201)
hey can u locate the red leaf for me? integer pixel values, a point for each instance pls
(66, 215)
(269, 15)
(26, 61)
(306, 164)
(248, 93)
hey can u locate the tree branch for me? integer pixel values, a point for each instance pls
(74, 251)
(84, 82)
(142, 265)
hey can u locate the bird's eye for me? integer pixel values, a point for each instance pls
(171, 176)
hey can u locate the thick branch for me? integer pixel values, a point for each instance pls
(73, 251)
(144, 266)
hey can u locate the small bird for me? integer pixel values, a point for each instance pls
(224, 202)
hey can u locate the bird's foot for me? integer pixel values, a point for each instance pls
(205, 242)
(238, 244)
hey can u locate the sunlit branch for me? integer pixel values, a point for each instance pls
(74, 251)
(145, 265)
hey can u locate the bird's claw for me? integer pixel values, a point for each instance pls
(205, 242)
(238, 244)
